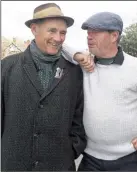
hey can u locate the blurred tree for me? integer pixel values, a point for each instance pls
(5, 44)
(17, 42)
(129, 40)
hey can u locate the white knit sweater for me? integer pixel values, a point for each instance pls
(110, 109)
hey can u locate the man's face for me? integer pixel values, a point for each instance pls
(99, 42)
(50, 35)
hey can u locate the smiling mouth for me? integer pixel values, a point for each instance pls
(55, 45)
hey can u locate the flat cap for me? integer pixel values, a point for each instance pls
(104, 21)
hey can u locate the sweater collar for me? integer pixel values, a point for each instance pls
(118, 59)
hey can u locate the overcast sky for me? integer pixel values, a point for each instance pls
(15, 13)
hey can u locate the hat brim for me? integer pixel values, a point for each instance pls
(86, 26)
(68, 20)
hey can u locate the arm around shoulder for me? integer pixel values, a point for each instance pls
(68, 53)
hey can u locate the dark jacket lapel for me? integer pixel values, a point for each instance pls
(31, 71)
(62, 64)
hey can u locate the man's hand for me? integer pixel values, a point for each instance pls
(134, 142)
(86, 61)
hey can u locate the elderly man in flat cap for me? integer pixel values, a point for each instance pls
(42, 100)
(110, 97)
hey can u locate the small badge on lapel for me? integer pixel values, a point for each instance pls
(59, 73)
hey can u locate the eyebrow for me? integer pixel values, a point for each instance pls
(55, 29)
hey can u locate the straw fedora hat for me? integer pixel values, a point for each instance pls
(46, 11)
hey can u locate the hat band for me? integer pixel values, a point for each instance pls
(48, 12)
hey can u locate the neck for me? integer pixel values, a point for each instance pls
(110, 53)
(40, 49)
(43, 57)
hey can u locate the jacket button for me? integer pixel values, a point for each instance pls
(35, 135)
(36, 163)
(41, 106)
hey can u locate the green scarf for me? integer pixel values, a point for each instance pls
(105, 61)
(45, 63)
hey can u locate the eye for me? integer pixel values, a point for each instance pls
(52, 30)
(63, 33)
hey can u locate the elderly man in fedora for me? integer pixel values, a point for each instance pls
(42, 100)
(110, 97)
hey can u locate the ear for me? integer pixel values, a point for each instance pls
(115, 36)
(34, 29)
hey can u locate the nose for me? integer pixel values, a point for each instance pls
(89, 36)
(57, 37)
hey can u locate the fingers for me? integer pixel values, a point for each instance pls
(85, 61)
(134, 142)
(89, 67)
(135, 145)
(79, 57)
(88, 64)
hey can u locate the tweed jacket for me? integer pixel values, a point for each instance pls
(41, 130)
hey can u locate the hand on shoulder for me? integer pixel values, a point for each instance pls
(85, 60)
(134, 142)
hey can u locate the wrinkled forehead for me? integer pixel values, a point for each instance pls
(58, 24)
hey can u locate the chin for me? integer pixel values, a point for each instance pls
(93, 51)
(52, 52)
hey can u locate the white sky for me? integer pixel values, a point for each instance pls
(15, 13)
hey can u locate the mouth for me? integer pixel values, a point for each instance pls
(54, 45)
(91, 45)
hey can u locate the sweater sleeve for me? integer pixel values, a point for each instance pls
(69, 52)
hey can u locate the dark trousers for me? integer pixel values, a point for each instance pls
(90, 163)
